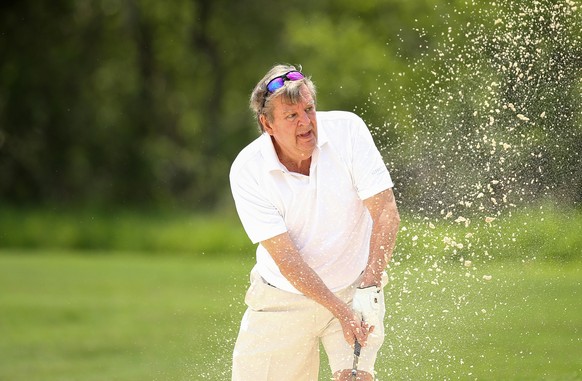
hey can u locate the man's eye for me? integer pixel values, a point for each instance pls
(291, 116)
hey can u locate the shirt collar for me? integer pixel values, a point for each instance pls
(269, 154)
(321, 135)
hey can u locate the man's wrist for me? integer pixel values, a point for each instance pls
(370, 282)
(372, 277)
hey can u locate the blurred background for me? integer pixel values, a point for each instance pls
(139, 104)
(119, 121)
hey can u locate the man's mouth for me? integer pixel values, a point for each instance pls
(305, 135)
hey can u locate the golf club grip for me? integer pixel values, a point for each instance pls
(357, 348)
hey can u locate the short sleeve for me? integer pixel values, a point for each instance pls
(260, 218)
(369, 172)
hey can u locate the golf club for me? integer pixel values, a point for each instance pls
(357, 348)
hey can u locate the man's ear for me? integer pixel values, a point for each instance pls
(265, 123)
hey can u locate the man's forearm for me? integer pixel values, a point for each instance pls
(386, 222)
(382, 245)
(303, 277)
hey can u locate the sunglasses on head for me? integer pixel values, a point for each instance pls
(278, 82)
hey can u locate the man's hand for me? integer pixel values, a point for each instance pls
(303, 278)
(354, 329)
(366, 305)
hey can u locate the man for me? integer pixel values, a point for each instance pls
(313, 191)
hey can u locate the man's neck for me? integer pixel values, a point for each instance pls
(301, 167)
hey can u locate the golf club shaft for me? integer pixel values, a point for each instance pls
(357, 349)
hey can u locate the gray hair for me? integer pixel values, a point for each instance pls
(260, 102)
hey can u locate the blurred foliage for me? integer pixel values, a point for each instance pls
(544, 233)
(96, 231)
(144, 103)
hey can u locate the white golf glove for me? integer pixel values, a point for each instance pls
(366, 305)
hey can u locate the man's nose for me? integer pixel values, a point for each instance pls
(304, 118)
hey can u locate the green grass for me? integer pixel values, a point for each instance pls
(158, 296)
(71, 317)
(65, 316)
(450, 323)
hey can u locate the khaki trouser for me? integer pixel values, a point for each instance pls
(281, 331)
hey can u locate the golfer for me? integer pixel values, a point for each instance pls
(315, 195)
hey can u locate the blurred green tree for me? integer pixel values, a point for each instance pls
(144, 103)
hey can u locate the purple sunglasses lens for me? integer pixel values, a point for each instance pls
(275, 84)
(295, 76)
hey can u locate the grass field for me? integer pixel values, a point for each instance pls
(113, 316)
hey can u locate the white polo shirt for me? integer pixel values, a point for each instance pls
(323, 212)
